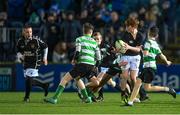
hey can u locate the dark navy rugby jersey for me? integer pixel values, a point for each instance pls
(128, 38)
(32, 50)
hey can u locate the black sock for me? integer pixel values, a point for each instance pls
(28, 84)
(100, 93)
(142, 92)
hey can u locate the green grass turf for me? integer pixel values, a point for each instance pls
(69, 103)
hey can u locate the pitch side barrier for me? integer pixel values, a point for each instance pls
(11, 77)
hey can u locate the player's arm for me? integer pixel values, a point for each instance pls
(98, 56)
(135, 49)
(164, 58)
(77, 51)
(146, 48)
(44, 47)
(20, 56)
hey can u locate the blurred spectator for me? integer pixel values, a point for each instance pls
(64, 4)
(105, 12)
(15, 10)
(133, 15)
(141, 13)
(3, 19)
(60, 54)
(114, 28)
(117, 5)
(84, 17)
(4, 42)
(34, 20)
(70, 30)
(98, 23)
(41, 14)
(3, 5)
(36, 4)
(49, 32)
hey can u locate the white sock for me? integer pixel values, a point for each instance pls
(166, 88)
(137, 100)
(130, 103)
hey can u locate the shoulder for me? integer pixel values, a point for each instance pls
(37, 38)
(125, 35)
(20, 40)
(140, 36)
(80, 38)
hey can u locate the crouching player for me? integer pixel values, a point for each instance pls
(151, 50)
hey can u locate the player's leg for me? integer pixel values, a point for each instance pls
(60, 88)
(111, 83)
(135, 91)
(150, 73)
(45, 86)
(149, 87)
(143, 94)
(123, 82)
(81, 86)
(99, 77)
(103, 81)
(134, 70)
(28, 86)
(93, 82)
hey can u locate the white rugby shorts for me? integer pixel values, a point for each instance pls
(31, 72)
(133, 62)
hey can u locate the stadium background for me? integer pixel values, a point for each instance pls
(59, 22)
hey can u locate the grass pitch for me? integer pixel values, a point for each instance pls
(69, 103)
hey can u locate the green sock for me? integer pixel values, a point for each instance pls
(89, 92)
(58, 92)
(84, 93)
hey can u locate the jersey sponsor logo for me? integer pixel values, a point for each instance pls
(32, 46)
(22, 46)
(28, 53)
(131, 42)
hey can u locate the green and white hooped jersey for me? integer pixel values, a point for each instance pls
(153, 48)
(89, 50)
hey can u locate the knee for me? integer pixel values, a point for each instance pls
(146, 87)
(138, 82)
(96, 83)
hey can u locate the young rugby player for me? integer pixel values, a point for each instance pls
(87, 52)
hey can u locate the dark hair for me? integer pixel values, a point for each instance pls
(132, 22)
(153, 31)
(87, 27)
(96, 33)
(27, 25)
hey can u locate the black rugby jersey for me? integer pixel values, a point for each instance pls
(128, 38)
(107, 56)
(31, 49)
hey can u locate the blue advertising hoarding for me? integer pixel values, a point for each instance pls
(54, 72)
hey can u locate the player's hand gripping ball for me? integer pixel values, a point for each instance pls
(120, 46)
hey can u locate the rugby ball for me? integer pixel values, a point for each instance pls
(120, 46)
